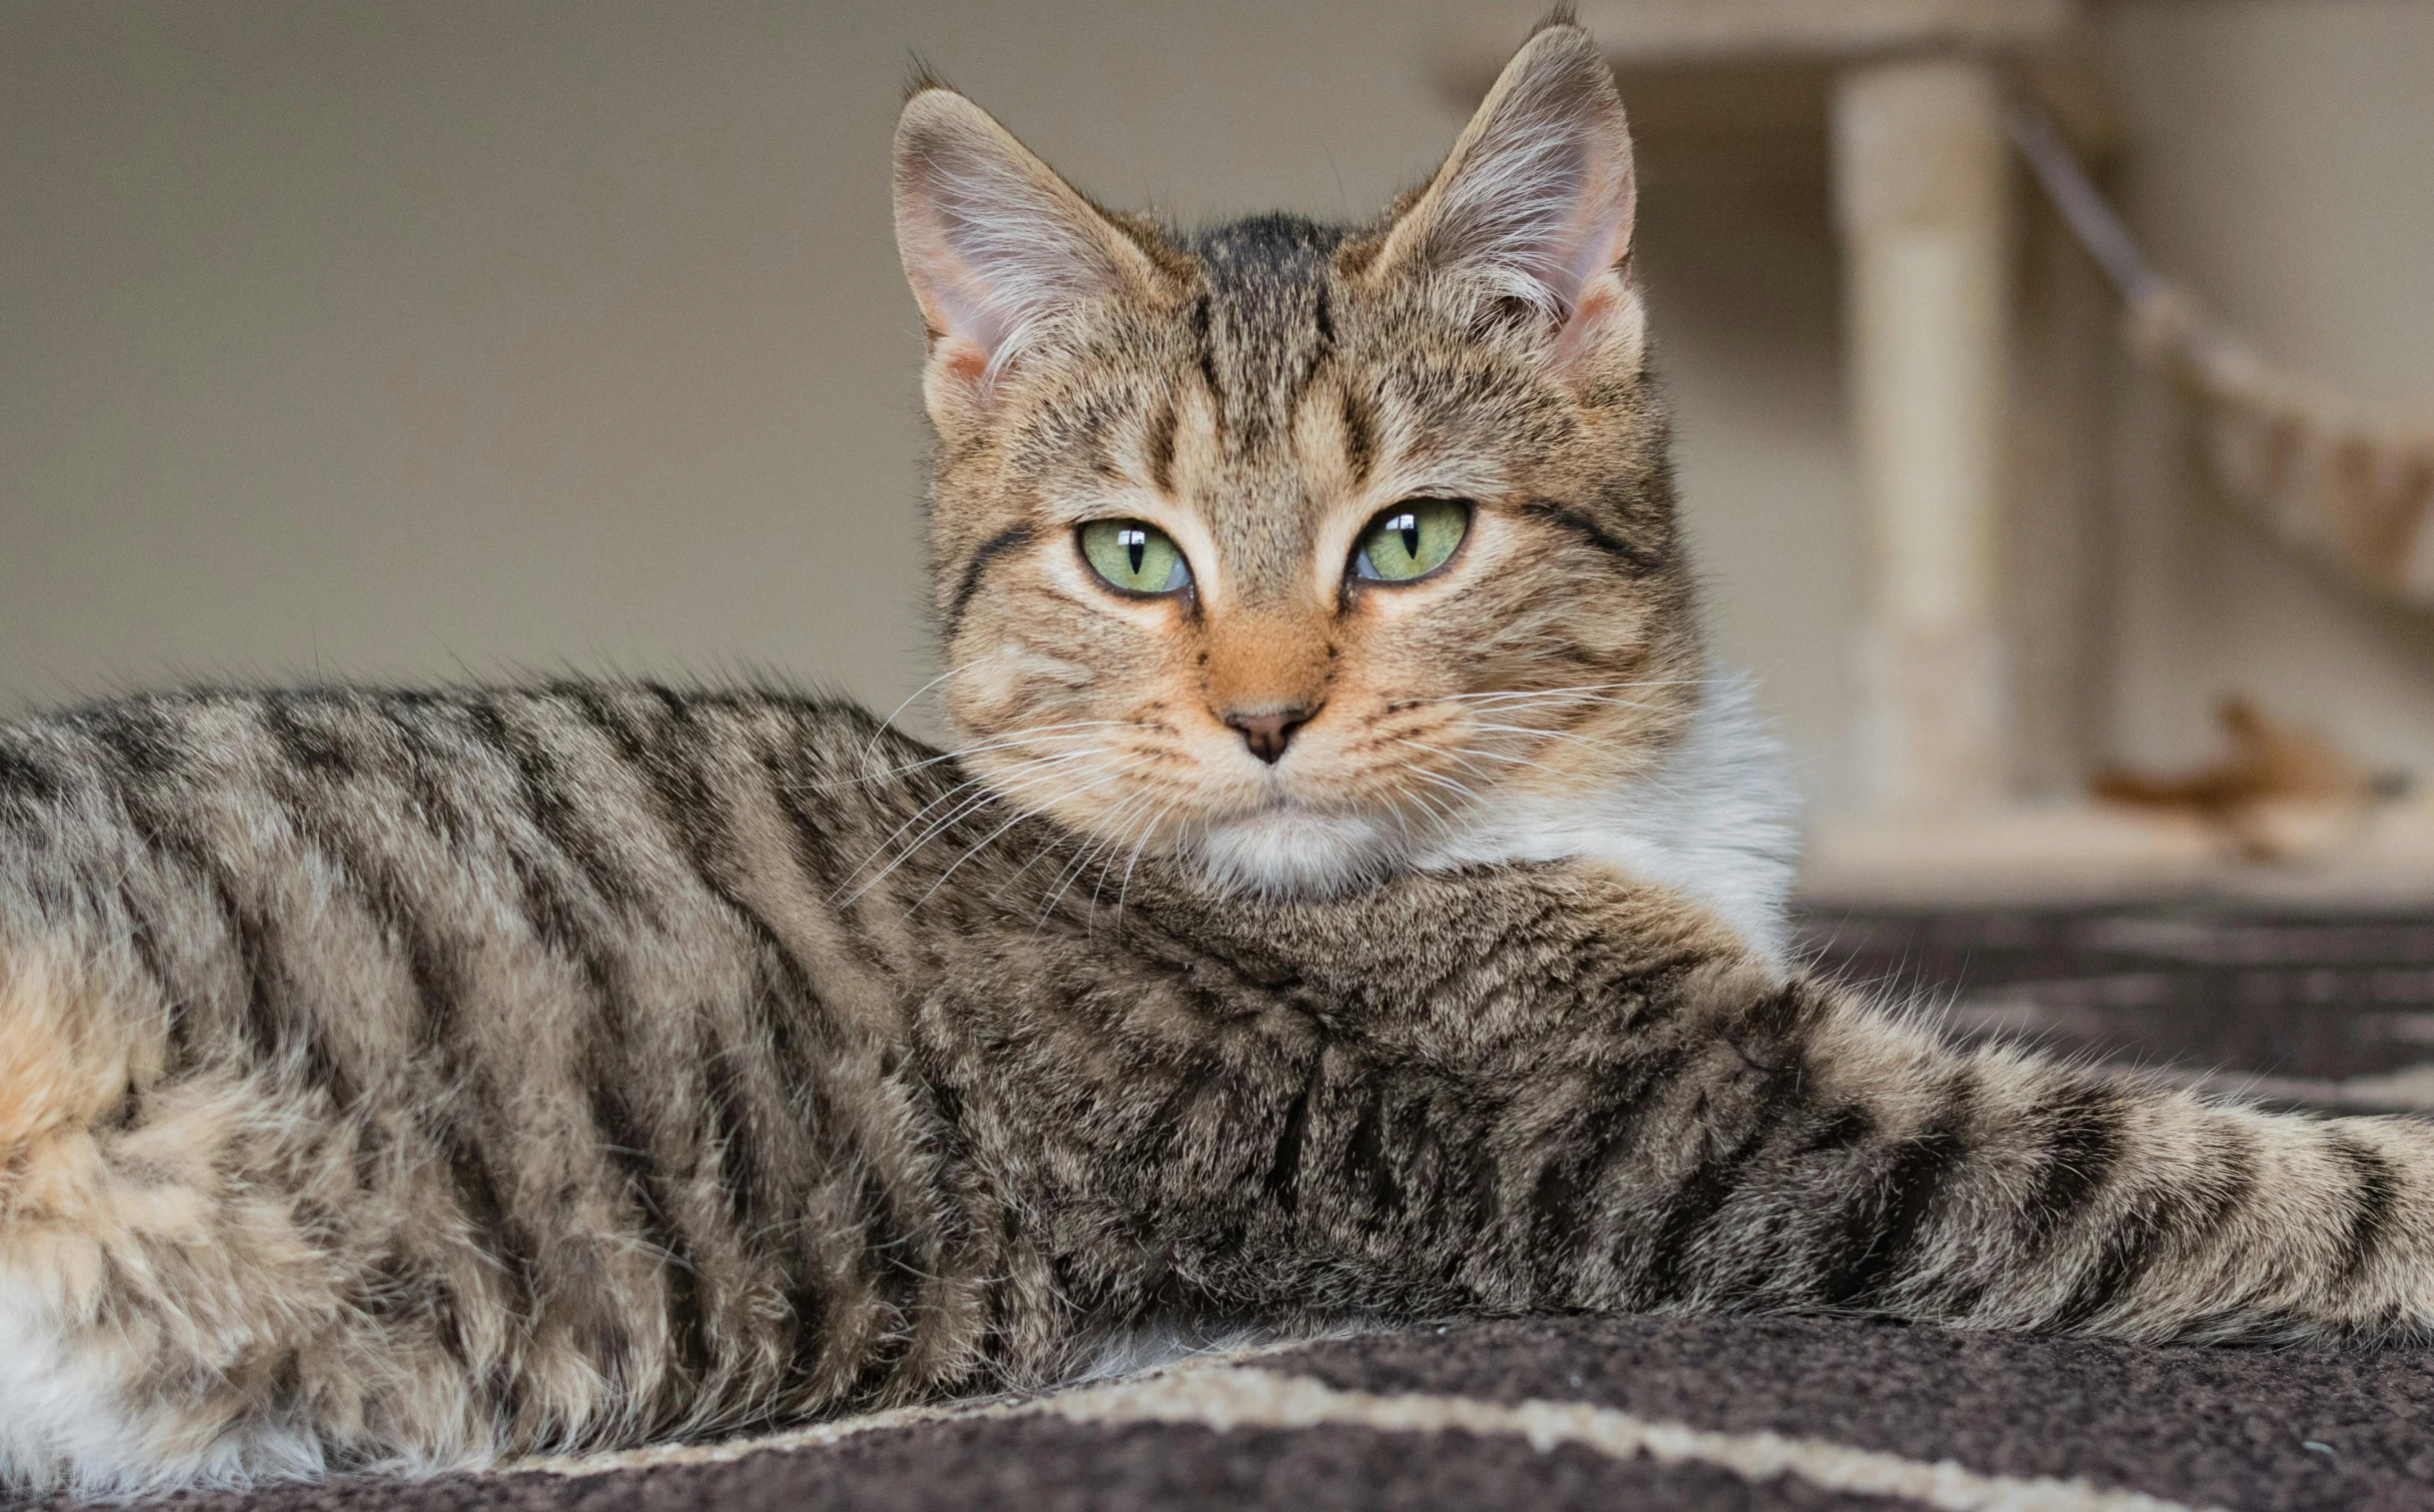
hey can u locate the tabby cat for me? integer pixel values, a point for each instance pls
(1354, 898)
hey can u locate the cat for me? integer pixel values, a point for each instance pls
(1354, 897)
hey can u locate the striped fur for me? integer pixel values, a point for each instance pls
(414, 1079)
(410, 1079)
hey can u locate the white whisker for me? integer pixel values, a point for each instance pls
(1004, 740)
(1021, 813)
(1082, 862)
(940, 826)
(1468, 758)
(1541, 693)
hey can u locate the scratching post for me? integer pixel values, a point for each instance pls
(1922, 197)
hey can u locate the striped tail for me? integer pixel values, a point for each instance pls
(1879, 1170)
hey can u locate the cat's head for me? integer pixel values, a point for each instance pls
(1298, 550)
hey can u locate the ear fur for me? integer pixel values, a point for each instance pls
(993, 243)
(1533, 206)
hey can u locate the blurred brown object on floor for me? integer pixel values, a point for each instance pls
(2285, 792)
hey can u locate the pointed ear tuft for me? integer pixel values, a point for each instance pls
(993, 241)
(920, 77)
(1532, 207)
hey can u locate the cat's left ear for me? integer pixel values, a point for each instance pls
(1531, 213)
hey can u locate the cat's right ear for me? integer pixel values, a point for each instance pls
(1531, 213)
(996, 244)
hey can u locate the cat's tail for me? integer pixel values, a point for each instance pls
(1521, 1091)
(2001, 1188)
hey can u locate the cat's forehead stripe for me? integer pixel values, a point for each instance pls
(1265, 250)
(1264, 323)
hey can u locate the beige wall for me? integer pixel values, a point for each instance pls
(412, 338)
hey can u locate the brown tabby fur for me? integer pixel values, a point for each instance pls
(397, 1078)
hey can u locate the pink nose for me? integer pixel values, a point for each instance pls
(1269, 733)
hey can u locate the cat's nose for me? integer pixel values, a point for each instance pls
(1267, 732)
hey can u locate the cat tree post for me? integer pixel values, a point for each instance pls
(1921, 199)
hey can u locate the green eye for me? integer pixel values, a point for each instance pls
(1410, 539)
(1134, 558)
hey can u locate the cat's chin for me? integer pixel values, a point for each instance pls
(1294, 851)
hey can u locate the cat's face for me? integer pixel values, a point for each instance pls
(1300, 550)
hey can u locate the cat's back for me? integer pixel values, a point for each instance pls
(503, 1005)
(570, 793)
(332, 863)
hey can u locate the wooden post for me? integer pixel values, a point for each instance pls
(1921, 196)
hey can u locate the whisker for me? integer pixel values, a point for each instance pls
(912, 821)
(920, 812)
(1037, 855)
(999, 742)
(1125, 891)
(986, 796)
(1148, 833)
(1511, 701)
(1082, 863)
(1467, 756)
(888, 723)
(1434, 806)
(1021, 813)
(1551, 735)
(1461, 789)
(970, 806)
(1578, 687)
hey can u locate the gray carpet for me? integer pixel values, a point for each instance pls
(1761, 1414)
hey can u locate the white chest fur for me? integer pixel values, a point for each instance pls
(1715, 822)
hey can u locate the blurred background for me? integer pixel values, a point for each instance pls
(426, 339)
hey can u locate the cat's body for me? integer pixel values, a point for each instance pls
(410, 1079)
(1354, 896)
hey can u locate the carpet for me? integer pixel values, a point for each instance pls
(1781, 1414)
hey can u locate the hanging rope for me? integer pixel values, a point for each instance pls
(2325, 474)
